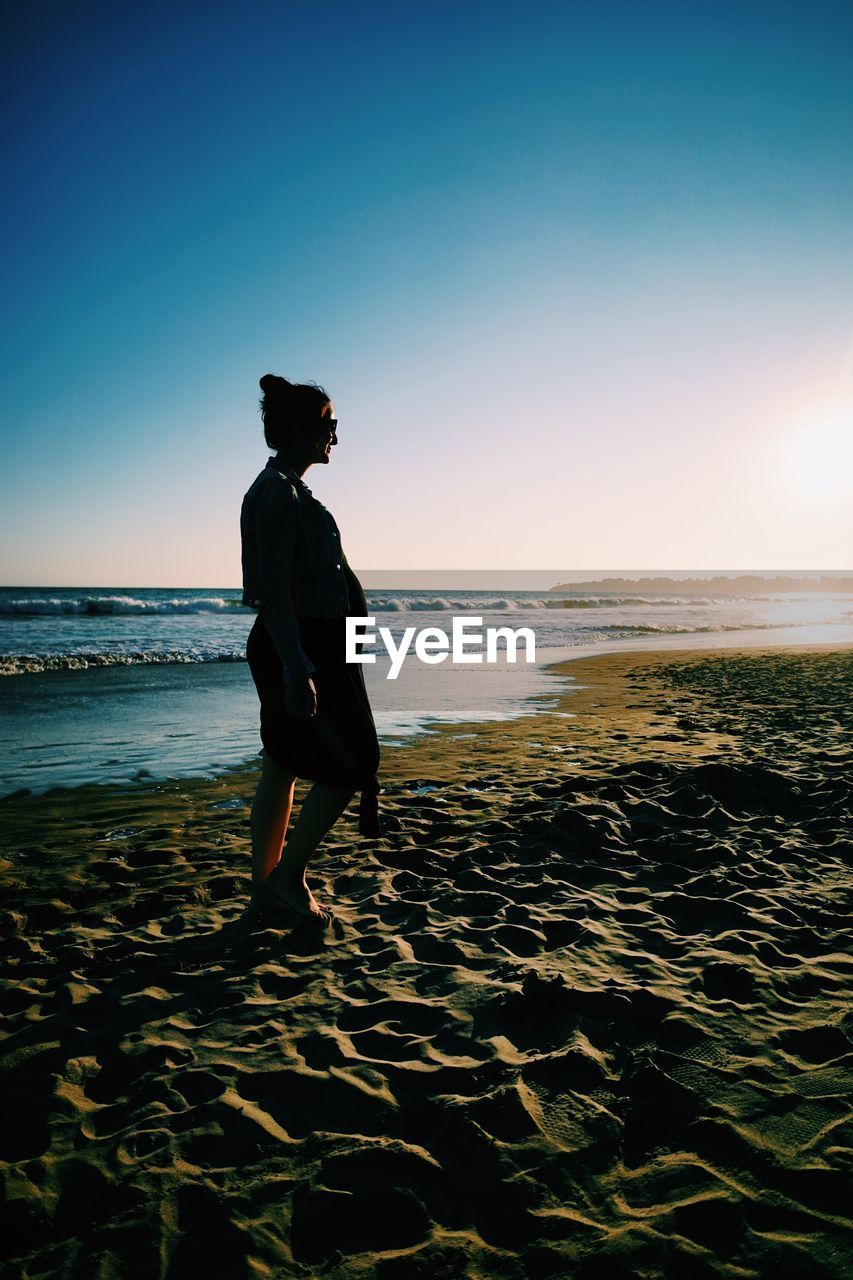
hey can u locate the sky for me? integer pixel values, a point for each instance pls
(578, 278)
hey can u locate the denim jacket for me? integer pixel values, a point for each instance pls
(293, 562)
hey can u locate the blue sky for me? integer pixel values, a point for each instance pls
(578, 278)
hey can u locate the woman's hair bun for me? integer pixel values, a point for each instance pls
(289, 407)
(272, 384)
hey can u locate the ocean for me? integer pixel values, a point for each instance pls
(123, 684)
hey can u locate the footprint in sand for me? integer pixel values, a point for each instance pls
(815, 1044)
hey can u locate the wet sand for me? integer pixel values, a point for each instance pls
(584, 1011)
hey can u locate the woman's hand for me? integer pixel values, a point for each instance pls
(300, 698)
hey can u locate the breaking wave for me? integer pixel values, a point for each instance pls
(443, 604)
(32, 664)
(110, 606)
(381, 603)
(617, 628)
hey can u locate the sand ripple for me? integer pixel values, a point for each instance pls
(582, 1014)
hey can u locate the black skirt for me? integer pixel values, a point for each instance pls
(338, 746)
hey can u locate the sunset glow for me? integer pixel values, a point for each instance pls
(819, 460)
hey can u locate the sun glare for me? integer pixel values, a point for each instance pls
(819, 459)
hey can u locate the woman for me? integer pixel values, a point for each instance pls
(316, 721)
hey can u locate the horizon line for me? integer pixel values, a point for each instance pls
(576, 577)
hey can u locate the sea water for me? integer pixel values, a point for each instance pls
(116, 684)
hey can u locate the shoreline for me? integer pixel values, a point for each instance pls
(582, 1012)
(561, 666)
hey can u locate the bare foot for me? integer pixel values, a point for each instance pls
(293, 900)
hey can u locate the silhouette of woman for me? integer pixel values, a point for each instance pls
(316, 721)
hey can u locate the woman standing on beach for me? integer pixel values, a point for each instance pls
(316, 721)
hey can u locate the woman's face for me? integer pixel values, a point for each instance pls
(326, 437)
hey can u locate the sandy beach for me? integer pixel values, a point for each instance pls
(583, 1013)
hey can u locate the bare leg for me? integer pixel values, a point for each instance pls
(270, 816)
(320, 810)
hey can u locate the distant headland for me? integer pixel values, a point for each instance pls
(746, 584)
